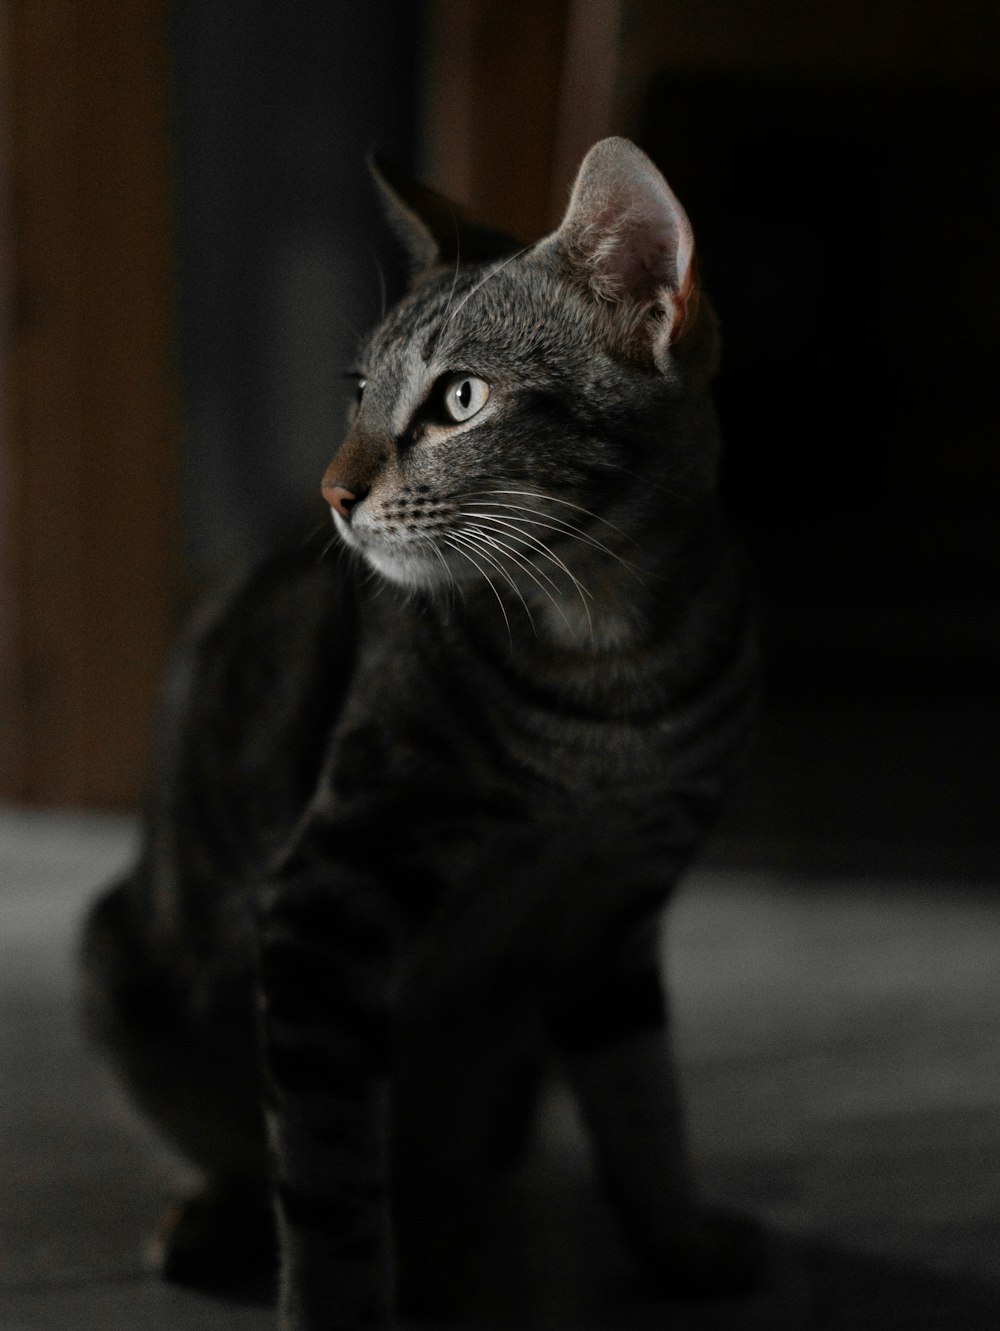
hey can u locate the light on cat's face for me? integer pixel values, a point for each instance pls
(391, 486)
(522, 407)
(461, 396)
(473, 458)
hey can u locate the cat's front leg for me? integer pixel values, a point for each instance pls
(609, 1018)
(327, 959)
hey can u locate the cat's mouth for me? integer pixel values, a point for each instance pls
(411, 561)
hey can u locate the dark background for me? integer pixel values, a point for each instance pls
(846, 223)
(839, 163)
(847, 227)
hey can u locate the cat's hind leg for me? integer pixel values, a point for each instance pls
(609, 1021)
(188, 1064)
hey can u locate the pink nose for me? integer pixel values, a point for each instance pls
(340, 499)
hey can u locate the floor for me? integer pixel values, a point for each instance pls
(840, 1045)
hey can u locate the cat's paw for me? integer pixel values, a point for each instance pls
(726, 1258)
(220, 1242)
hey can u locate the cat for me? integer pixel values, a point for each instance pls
(419, 808)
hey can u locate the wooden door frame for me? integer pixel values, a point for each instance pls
(519, 91)
(89, 573)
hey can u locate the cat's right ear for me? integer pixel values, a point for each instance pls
(432, 229)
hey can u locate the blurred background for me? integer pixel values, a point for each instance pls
(191, 246)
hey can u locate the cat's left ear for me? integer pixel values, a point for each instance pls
(628, 239)
(432, 229)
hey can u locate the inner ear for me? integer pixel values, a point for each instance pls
(626, 235)
(432, 228)
(635, 253)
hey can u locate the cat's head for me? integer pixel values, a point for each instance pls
(523, 413)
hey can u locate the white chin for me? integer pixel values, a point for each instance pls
(412, 571)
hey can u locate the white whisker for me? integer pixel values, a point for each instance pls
(533, 541)
(452, 584)
(307, 540)
(536, 574)
(536, 541)
(551, 499)
(652, 485)
(523, 538)
(326, 548)
(481, 548)
(482, 282)
(564, 528)
(459, 549)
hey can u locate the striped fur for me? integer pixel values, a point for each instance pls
(412, 835)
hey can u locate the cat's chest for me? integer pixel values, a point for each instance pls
(428, 725)
(445, 760)
(527, 819)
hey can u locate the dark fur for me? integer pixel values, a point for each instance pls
(406, 844)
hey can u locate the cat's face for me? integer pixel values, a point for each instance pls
(489, 425)
(508, 419)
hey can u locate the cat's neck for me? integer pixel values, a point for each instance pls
(609, 626)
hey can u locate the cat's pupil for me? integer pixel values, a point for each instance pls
(462, 396)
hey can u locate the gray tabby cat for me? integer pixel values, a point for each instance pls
(413, 832)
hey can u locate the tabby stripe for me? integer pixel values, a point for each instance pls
(708, 738)
(559, 414)
(730, 704)
(463, 696)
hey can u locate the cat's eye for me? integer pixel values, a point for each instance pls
(464, 395)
